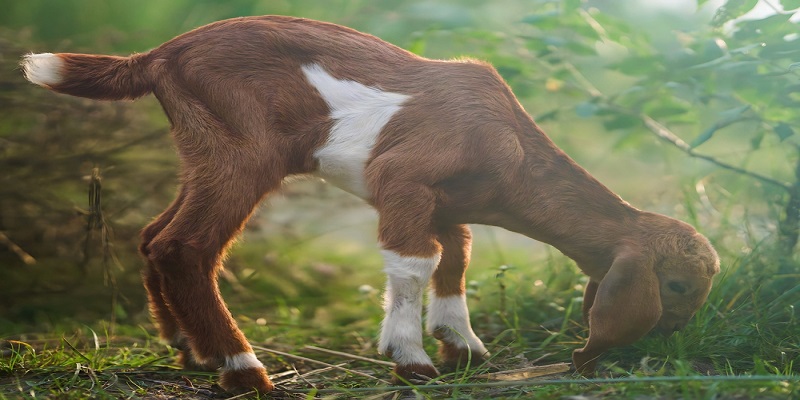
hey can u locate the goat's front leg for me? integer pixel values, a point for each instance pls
(448, 316)
(187, 254)
(411, 254)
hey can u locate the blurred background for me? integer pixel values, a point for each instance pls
(686, 108)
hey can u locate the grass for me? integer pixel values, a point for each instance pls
(300, 284)
(88, 366)
(742, 344)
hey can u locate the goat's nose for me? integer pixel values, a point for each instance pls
(678, 326)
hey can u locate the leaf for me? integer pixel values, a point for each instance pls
(734, 112)
(550, 115)
(665, 106)
(779, 49)
(554, 40)
(616, 29)
(747, 49)
(638, 65)
(586, 109)
(775, 26)
(667, 111)
(543, 20)
(783, 130)
(755, 142)
(740, 66)
(627, 139)
(732, 9)
(790, 4)
(572, 5)
(581, 49)
(622, 122)
(704, 137)
(729, 117)
(713, 63)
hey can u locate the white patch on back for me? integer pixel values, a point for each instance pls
(359, 113)
(42, 69)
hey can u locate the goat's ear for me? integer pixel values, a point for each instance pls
(627, 306)
(588, 299)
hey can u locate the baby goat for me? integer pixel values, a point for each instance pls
(432, 145)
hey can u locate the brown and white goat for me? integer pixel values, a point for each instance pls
(432, 145)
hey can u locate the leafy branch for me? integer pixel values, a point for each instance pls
(667, 135)
(662, 132)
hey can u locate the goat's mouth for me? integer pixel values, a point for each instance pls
(671, 323)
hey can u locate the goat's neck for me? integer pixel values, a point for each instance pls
(554, 200)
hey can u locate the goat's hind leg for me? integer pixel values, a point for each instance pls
(167, 324)
(448, 316)
(187, 254)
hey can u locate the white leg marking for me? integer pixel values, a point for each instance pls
(451, 312)
(401, 330)
(42, 69)
(242, 361)
(359, 113)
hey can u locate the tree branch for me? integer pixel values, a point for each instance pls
(22, 254)
(667, 135)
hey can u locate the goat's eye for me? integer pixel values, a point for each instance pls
(677, 287)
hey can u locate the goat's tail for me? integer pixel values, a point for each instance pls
(92, 76)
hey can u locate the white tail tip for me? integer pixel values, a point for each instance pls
(42, 69)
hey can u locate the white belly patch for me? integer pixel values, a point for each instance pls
(359, 113)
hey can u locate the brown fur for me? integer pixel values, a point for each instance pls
(461, 150)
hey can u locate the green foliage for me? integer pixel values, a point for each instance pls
(726, 92)
(600, 76)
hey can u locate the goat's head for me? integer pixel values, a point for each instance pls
(685, 267)
(659, 283)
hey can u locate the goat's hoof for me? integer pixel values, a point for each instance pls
(413, 373)
(454, 358)
(243, 380)
(584, 363)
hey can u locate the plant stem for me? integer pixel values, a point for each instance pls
(789, 225)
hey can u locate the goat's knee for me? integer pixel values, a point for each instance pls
(149, 233)
(174, 258)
